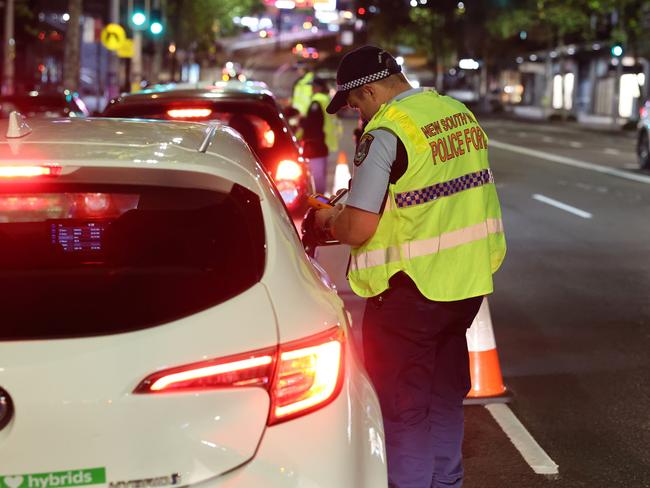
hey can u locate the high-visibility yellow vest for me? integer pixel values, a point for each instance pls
(302, 92)
(332, 128)
(441, 224)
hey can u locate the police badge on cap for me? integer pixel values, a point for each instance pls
(359, 67)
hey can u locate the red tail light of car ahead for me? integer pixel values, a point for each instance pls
(189, 113)
(300, 376)
(28, 171)
(288, 170)
(643, 112)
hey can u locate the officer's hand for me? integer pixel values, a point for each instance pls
(324, 215)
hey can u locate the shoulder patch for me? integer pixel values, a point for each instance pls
(363, 148)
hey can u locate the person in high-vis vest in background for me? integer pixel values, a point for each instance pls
(320, 133)
(424, 224)
(302, 90)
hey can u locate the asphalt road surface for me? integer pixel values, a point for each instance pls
(571, 310)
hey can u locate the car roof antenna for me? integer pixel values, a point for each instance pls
(17, 126)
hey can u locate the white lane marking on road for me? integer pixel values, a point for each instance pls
(609, 150)
(562, 206)
(576, 144)
(571, 162)
(522, 134)
(527, 446)
(547, 139)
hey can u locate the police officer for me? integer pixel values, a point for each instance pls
(424, 224)
(302, 89)
(320, 133)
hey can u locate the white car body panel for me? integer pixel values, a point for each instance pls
(73, 397)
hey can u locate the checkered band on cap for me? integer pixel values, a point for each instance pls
(445, 189)
(362, 81)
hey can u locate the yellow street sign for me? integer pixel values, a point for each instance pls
(126, 49)
(113, 36)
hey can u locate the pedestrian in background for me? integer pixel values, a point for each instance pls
(424, 224)
(320, 133)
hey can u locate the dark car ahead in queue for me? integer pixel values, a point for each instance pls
(249, 108)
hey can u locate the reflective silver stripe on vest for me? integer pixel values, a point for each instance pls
(444, 189)
(424, 247)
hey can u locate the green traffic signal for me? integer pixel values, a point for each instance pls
(156, 27)
(138, 19)
(617, 50)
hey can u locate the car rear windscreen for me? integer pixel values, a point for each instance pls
(83, 260)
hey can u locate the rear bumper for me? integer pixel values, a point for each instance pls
(339, 446)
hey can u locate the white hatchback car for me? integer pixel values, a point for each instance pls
(161, 323)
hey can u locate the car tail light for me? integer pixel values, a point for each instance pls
(300, 376)
(288, 170)
(251, 369)
(269, 138)
(309, 374)
(28, 171)
(189, 113)
(643, 112)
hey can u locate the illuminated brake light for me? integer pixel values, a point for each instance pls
(189, 113)
(269, 138)
(251, 369)
(309, 375)
(643, 112)
(288, 170)
(28, 171)
(300, 376)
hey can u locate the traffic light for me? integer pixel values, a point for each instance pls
(156, 27)
(138, 18)
(617, 50)
(137, 15)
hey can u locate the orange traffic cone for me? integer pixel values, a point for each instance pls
(487, 382)
(342, 173)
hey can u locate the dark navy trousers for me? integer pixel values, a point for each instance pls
(416, 354)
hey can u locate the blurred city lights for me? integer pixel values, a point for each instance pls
(285, 4)
(533, 57)
(468, 63)
(65, 17)
(414, 3)
(400, 60)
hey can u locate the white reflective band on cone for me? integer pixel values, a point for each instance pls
(480, 336)
(425, 247)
